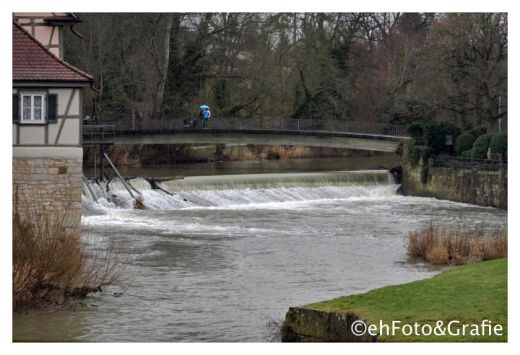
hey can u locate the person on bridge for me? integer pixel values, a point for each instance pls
(201, 111)
(205, 115)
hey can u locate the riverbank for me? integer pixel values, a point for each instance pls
(469, 294)
(482, 183)
(147, 155)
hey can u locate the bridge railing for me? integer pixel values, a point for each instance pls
(464, 163)
(271, 124)
(98, 134)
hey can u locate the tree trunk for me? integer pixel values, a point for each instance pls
(157, 110)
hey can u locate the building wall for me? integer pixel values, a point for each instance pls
(49, 187)
(47, 162)
(49, 36)
(65, 132)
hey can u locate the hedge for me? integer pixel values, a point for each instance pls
(477, 132)
(416, 152)
(480, 147)
(435, 135)
(498, 144)
(464, 143)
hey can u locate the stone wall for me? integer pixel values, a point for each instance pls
(308, 325)
(470, 184)
(49, 186)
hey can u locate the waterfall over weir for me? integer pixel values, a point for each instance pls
(239, 191)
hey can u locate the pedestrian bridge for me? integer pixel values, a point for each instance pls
(299, 132)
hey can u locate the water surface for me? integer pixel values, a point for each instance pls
(223, 255)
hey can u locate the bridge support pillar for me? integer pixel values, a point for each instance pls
(219, 151)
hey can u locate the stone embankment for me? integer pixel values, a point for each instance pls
(479, 183)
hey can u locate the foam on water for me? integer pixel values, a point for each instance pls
(268, 191)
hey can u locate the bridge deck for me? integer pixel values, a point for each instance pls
(317, 133)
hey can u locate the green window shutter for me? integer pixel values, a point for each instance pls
(16, 111)
(52, 108)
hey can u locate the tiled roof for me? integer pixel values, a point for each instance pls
(33, 62)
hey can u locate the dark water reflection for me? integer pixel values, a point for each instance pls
(260, 166)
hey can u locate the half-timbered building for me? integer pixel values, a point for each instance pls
(47, 119)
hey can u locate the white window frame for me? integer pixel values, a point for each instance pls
(32, 120)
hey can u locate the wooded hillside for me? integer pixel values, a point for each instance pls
(389, 67)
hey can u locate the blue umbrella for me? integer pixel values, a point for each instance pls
(203, 107)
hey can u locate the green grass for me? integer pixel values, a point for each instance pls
(469, 294)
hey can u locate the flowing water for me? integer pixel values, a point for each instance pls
(215, 258)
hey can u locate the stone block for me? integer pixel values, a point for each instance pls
(38, 185)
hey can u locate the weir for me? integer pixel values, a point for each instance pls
(230, 191)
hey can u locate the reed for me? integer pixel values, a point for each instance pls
(457, 244)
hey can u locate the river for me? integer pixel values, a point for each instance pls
(233, 246)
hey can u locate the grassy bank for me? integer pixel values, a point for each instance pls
(469, 294)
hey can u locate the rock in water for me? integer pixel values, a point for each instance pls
(139, 204)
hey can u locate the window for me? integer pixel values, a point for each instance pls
(33, 108)
(30, 107)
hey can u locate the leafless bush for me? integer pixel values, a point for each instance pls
(456, 244)
(49, 265)
(438, 255)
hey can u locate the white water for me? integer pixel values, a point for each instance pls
(242, 191)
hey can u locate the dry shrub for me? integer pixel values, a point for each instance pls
(495, 247)
(239, 153)
(49, 264)
(287, 152)
(414, 247)
(475, 253)
(438, 255)
(456, 244)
